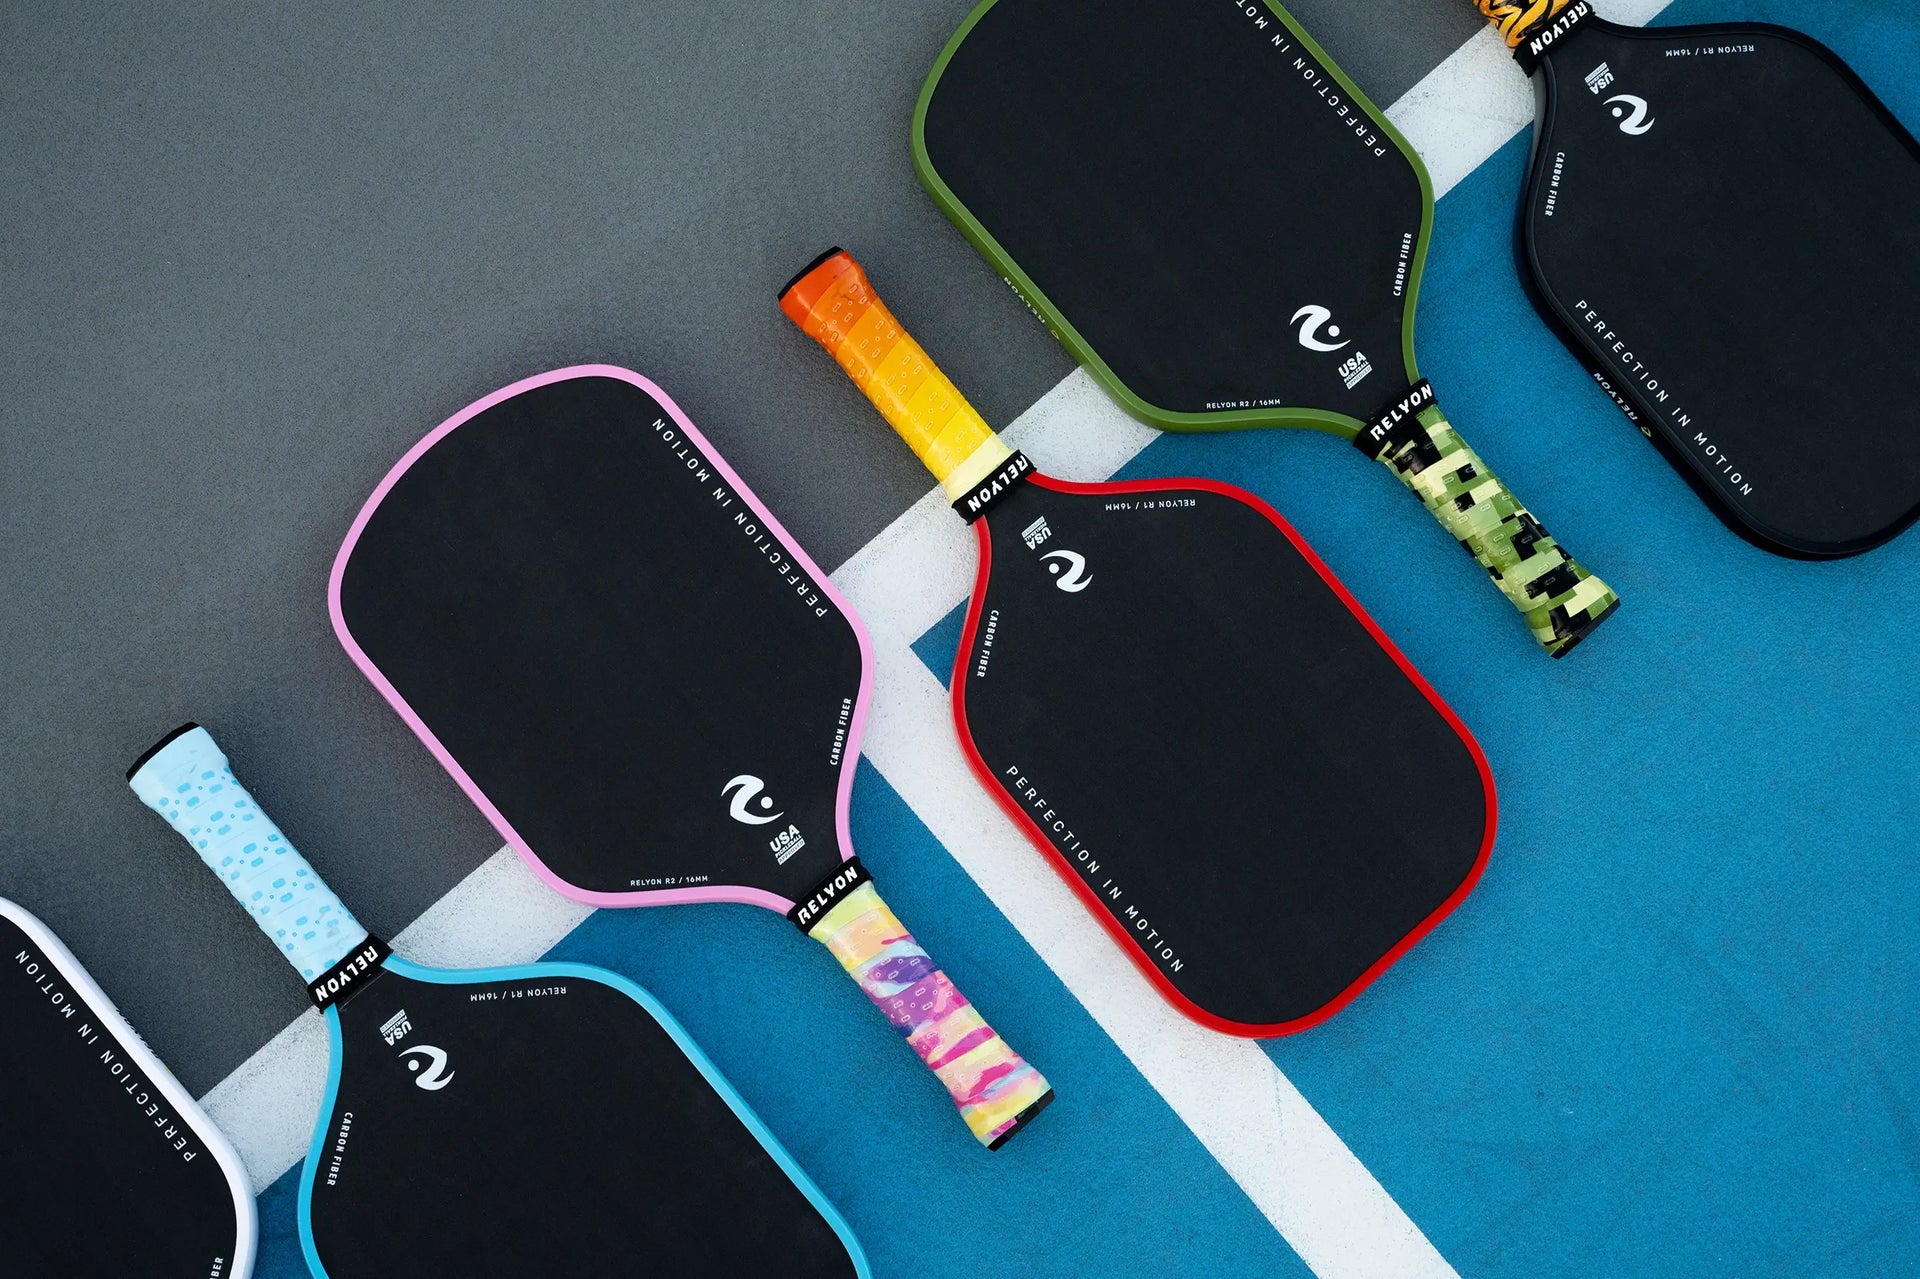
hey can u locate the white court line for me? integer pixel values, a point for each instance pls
(1268, 1138)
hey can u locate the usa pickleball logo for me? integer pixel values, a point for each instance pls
(786, 844)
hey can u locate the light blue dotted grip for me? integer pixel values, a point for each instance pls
(189, 782)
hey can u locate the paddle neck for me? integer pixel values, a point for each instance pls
(834, 303)
(187, 780)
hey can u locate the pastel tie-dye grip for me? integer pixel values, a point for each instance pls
(992, 1084)
(1561, 601)
(187, 780)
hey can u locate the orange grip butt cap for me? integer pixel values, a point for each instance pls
(832, 273)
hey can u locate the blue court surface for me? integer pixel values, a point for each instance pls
(1673, 1031)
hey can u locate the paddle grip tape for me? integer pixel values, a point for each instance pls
(994, 1087)
(1559, 599)
(834, 304)
(187, 781)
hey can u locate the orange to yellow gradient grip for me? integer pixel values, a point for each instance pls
(835, 305)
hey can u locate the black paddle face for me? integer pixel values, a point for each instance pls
(543, 1124)
(608, 642)
(1203, 208)
(1261, 798)
(104, 1176)
(1721, 221)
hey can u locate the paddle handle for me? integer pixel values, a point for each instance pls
(1561, 601)
(833, 302)
(994, 1087)
(1516, 19)
(187, 780)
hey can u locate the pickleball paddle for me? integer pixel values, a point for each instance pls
(112, 1170)
(1723, 223)
(546, 1118)
(1227, 234)
(1177, 701)
(645, 684)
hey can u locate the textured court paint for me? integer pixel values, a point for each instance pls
(1672, 1032)
(1142, 1196)
(941, 645)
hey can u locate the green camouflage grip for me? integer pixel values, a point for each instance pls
(1561, 601)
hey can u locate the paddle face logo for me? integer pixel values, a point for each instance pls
(1315, 327)
(748, 804)
(435, 1076)
(1631, 112)
(1069, 569)
(1318, 332)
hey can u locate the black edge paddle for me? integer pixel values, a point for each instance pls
(1723, 223)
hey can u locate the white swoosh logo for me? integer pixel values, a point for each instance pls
(1315, 317)
(1635, 123)
(1075, 579)
(748, 787)
(430, 1079)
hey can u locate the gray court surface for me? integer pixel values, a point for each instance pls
(252, 252)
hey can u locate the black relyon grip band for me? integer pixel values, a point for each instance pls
(351, 974)
(1534, 44)
(971, 506)
(846, 877)
(1399, 423)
